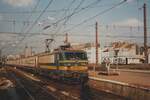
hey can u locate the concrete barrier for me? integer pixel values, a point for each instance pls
(130, 92)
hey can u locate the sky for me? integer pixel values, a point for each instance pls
(23, 22)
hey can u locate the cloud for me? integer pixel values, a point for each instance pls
(50, 18)
(130, 1)
(19, 3)
(129, 22)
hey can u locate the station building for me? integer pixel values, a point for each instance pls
(117, 52)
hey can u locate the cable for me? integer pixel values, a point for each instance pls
(90, 25)
(66, 18)
(29, 12)
(35, 22)
(98, 14)
(81, 2)
(50, 2)
(83, 8)
(28, 16)
(76, 12)
(68, 10)
(48, 11)
(35, 7)
(78, 35)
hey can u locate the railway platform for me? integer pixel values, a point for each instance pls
(134, 85)
(139, 78)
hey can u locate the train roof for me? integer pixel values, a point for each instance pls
(62, 48)
(67, 48)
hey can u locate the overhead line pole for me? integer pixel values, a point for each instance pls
(145, 33)
(14, 23)
(96, 43)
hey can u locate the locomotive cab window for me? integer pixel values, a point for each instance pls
(61, 56)
(75, 56)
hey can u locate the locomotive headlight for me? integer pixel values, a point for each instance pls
(86, 68)
(83, 64)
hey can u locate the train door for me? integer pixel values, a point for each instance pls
(37, 67)
(57, 60)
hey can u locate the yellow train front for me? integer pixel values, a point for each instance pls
(66, 65)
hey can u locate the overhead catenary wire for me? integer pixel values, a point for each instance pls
(98, 14)
(78, 35)
(55, 24)
(109, 26)
(17, 21)
(90, 25)
(34, 23)
(74, 13)
(66, 18)
(21, 31)
(78, 6)
(77, 11)
(34, 9)
(52, 10)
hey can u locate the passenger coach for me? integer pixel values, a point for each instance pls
(63, 63)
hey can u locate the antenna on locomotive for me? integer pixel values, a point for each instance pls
(47, 44)
(66, 42)
(66, 38)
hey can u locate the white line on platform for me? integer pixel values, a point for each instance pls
(117, 82)
(100, 79)
(135, 71)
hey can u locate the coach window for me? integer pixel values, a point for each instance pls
(57, 56)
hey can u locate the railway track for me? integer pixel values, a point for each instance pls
(24, 89)
(52, 88)
(14, 92)
(62, 91)
(40, 88)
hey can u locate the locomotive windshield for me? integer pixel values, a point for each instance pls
(75, 56)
